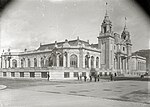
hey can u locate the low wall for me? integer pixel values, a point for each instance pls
(54, 73)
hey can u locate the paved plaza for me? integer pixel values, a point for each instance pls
(78, 94)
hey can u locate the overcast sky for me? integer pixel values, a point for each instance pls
(27, 23)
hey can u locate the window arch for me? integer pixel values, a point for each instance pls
(35, 62)
(60, 60)
(73, 61)
(92, 62)
(14, 63)
(29, 63)
(50, 61)
(97, 62)
(42, 62)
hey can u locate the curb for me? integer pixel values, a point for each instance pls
(2, 87)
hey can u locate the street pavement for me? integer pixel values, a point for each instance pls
(99, 94)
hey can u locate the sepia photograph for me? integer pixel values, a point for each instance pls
(74, 53)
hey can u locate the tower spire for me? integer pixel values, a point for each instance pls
(125, 26)
(106, 9)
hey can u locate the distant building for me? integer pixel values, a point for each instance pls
(69, 59)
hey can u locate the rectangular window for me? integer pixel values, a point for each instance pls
(105, 73)
(75, 74)
(32, 74)
(4, 74)
(44, 74)
(83, 73)
(12, 74)
(21, 74)
(66, 74)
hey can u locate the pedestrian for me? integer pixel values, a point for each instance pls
(115, 74)
(85, 78)
(95, 77)
(111, 77)
(115, 77)
(48, 76)
(80, 77)
(90, 78)
(98, 77)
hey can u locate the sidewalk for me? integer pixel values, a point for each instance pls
(2, 87)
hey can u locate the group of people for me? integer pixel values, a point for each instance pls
(85, 78)
(96, 77)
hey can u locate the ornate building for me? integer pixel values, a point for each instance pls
(68, 59)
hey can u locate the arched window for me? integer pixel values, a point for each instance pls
(86, 61)
(35, 62)
(22, 63)
(5, 63)
(92, 62)
(50, 61)
(14, 63)
(73, 61)
(97, 62)
(60, 60)
(42, 62)
(29, 63)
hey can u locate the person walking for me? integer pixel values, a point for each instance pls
(85, 78)
(90, 78)
(95, 77)
(111, 77)
(48, 76)
(98, 77)
(80, 77)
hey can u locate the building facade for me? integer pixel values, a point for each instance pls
(69, 59)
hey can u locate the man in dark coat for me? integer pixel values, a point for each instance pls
(111, 77)
(48, 76)
(85, 78)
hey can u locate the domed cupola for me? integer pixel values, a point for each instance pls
(125, 34)
(106, 26)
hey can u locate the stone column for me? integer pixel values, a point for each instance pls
(7, 63)
(99, 63)
(68, 60)
(89, 59)
(39, 61)
(57, 62)
(120, 62)
(94, 63)
(83, 60)
(10, 63)
(64, 61)
(78, 62)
